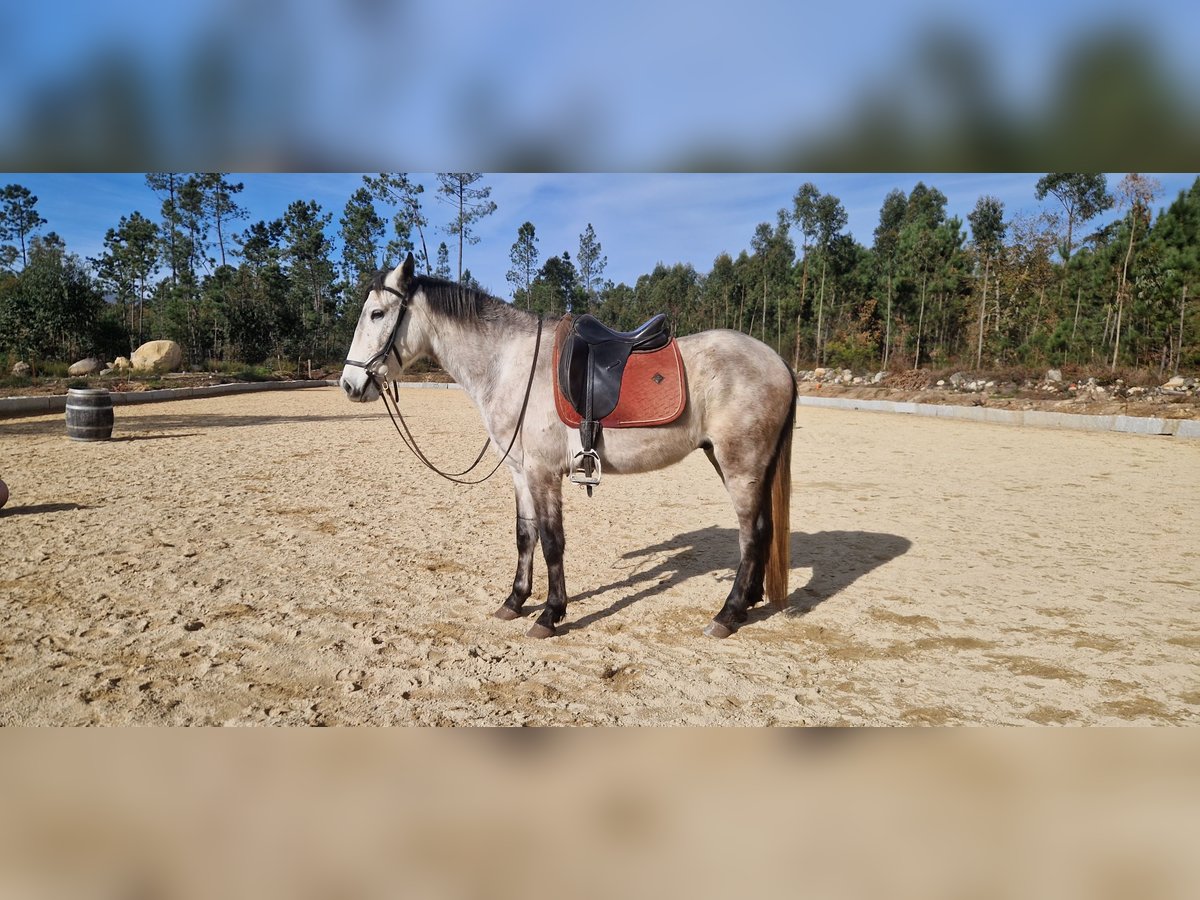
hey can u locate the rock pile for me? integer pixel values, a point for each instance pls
(1052, 386)
(840, 376)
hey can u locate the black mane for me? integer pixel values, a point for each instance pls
(459, 302)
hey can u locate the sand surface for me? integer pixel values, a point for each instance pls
(280, 558)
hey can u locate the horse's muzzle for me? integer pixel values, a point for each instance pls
(358, 385)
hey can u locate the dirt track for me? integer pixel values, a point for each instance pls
(280, 558)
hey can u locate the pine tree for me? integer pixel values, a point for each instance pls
(361, 230)
(19, 218)
(131, 254)
(442, 270)
(166, 184)
(219, 204)
(398, 189)
(524, 257)
(470, 204)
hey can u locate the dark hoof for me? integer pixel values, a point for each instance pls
(507, 613)
(717, 630)
(540, 631)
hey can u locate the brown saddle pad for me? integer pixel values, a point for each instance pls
(653, 389)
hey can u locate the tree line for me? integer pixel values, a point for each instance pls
(930, 289)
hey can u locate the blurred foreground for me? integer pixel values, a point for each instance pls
(679, 813)
(378, 86)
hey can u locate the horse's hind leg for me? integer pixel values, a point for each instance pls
(751, 502)
(527, 538)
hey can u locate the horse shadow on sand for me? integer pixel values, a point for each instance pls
(837, 559)
(34, 509)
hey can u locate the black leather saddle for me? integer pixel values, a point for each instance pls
(593, 358)
(590, 365)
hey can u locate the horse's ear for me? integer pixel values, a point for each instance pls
(407, 268)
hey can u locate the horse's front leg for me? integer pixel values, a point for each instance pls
(527, 538)
(548, 500)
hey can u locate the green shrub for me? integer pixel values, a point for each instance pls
(252, 373)
(853, 350)
(15, 381)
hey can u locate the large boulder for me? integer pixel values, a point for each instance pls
(89, 366)
(21, 369)
(157, 356)
(121, 364)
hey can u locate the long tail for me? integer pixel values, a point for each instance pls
(779, 555)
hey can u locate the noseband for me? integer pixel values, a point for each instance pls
(390, 346)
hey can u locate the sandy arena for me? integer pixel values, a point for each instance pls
(280, 558)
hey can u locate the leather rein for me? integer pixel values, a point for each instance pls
(401, 426)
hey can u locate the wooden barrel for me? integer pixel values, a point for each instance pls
(89, 414)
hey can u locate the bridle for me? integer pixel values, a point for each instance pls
(390, 346)
(402, 427)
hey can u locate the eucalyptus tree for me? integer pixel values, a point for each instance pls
(917, 245)
(1083, 195)
(774, 256)
(1177, 230)
(590, 264)
(887, 242)
(831, 219)
(987, 234)
(720, 285)
(1136, 192)
(804, 214)
(673, 289)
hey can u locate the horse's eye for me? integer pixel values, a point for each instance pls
(376, 314)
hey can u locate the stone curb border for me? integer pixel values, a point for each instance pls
(1184, 428)
(35, 406)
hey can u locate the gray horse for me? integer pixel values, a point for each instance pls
(740, 412)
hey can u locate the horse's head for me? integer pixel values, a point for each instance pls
(381, 346)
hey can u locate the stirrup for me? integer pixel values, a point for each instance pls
(579, 476)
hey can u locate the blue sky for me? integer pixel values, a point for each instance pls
(639, 219)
